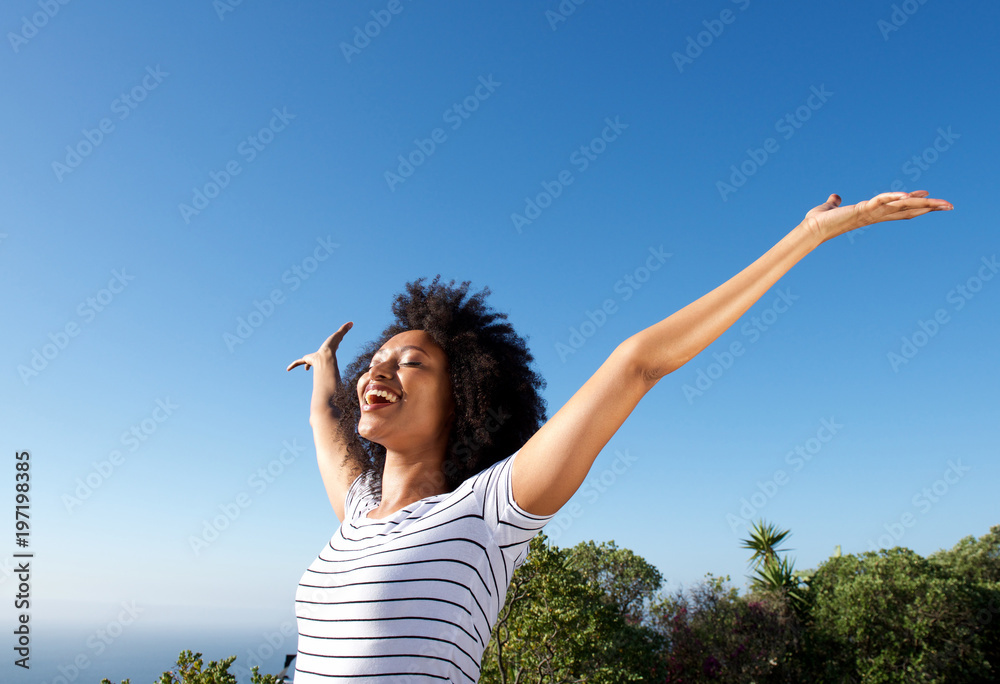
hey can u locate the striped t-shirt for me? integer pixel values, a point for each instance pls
(412, 597)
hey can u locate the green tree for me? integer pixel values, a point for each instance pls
(558, 627)
(627, 581)
(893, 616)
(192, 670)
(975, 560)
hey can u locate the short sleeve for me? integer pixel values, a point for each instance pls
(513, 528)
(357, 493)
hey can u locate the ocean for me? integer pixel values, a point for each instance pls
(72, 658)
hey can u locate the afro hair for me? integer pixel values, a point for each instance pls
(498, 405)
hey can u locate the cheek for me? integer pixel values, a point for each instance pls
(448, 398)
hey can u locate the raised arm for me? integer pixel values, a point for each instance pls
(324, 417)
(552, 465)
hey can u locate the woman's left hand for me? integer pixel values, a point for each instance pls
(829, 219)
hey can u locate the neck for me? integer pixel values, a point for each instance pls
(409, 478)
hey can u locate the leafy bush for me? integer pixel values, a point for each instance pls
(715, 635)
(189, 671)
(569, 617)
(975, 560)
(893, 616)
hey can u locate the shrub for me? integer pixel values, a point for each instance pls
(715, 635)
(189, 671)
(893, 616)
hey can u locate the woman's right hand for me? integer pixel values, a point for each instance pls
(331, 446)
(327, 352)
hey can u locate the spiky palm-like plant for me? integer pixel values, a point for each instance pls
(770, 571)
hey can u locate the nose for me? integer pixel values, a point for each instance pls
(379, 369)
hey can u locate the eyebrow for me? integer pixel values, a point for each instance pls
(402, 349)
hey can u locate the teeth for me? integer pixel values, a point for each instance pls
(388, 396)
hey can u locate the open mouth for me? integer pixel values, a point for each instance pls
(376, 406)
(380, 397)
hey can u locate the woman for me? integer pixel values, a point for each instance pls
(435, 459)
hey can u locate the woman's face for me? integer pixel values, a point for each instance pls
(412, 368)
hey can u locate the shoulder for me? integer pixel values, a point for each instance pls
(490, 473)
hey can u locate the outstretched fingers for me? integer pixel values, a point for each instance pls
(330, 345)
(893, 206)
(908, 198)
(909, 213)
(830, 219)
(879, 203)
(297, 363)
(333, 341)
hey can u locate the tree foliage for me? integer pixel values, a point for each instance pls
(772, 573)
(974, 560)
(626, 580)
(715, 635)
(569, 617)
(191, 669)
(593, 613)
(893, 616)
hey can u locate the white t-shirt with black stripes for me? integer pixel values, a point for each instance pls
(412, 597)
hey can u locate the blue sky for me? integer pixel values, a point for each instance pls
(170, 171)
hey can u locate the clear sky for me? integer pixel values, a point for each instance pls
(195, 194)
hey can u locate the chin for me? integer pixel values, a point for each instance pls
(366, 433)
